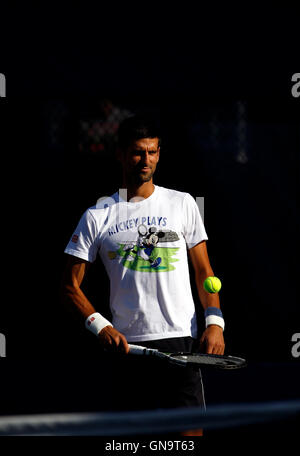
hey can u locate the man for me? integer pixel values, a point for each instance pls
(143, 242)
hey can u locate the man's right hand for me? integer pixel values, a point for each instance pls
(111, 339)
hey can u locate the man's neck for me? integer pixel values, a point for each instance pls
(140, 191)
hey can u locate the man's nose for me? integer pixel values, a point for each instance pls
(146, 158)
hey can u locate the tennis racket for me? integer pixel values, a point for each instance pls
(191, 359)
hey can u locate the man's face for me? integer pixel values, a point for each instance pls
(140, 159)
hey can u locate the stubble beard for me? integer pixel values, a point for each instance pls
(139, 178)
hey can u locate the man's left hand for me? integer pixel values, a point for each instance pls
(212, 341)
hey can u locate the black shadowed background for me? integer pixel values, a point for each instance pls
(220, 82)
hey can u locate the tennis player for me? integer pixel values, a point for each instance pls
(144, 241)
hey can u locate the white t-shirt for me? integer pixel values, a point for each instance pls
(143, 246)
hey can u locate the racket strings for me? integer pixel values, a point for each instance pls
(209, 359)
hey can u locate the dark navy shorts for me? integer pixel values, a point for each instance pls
(141, 383)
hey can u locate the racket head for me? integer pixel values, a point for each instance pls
(207, 360)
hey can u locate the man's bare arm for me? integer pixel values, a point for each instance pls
(74, 298)
(72, 295)
(203, 269)
(212, 340)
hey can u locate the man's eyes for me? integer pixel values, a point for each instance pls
(138, 152)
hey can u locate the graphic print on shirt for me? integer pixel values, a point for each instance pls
(145, 254)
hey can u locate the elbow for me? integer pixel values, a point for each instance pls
(68, 284)
(67, 291)
(68, 299)
(203, 273)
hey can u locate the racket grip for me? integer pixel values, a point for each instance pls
(139, 350)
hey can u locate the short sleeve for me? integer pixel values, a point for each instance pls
(193, 227)
(83, 243)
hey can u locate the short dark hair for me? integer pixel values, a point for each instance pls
(136, 127)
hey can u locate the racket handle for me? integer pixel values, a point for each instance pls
(139, 350)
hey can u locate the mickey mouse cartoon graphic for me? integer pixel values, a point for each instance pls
(146, 243)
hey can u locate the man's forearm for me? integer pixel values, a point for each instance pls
(75, 299)
(207, 299)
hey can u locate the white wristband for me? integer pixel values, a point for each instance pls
(214, 320)
(95, 323)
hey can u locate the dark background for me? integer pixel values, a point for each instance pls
(219, 80)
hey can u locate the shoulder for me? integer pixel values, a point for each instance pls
(181, 198)
(172, 193)
(102, 206)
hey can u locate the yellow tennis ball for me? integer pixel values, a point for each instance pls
(212, 284)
